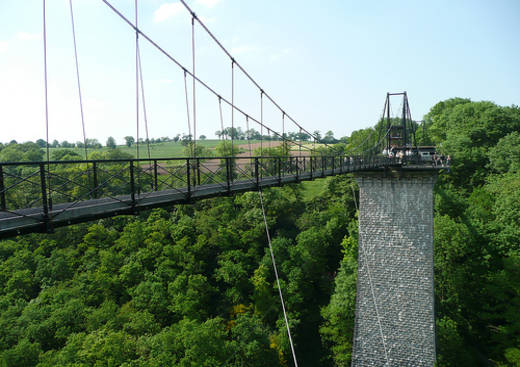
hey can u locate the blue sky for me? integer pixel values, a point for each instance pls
(329, 64)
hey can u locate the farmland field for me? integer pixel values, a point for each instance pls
(176, 149)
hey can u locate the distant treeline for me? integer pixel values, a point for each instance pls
(227, 133)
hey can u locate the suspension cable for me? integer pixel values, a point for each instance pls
(262, 122)
(46, 92)
(194, 151)
(187, 109)
(221, 117)
(136, 80)
(78, 79)
(354, 197)
(232, 106)
(145, 115)
(248, 136)
(283, 133)
(171, 58)
(382, 139)
(137, 97)
(277, 279)
(283, 125)
(240, 67)
(381, 121)
(300, 147)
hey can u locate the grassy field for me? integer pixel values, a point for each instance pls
(176, 149)
(308, 146)
(160, 150)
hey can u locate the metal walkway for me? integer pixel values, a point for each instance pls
(68, 192)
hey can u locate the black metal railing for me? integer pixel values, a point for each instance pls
(53, 188)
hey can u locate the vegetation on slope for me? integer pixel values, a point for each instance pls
(194, 286)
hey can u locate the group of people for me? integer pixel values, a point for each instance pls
(438, 160)
(441, 160)
(397, 153)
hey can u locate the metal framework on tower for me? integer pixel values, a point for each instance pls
(400, 137)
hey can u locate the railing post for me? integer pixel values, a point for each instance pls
(2, 189)
(194, 173)
(132, 183)
(188, 178)
(45, 202)
(256, 173)
(198, 171)
(95, 179)
(138, 178)
(232, 162)
(155, 186)
(279, 160)
(228, 175)
(297, 169)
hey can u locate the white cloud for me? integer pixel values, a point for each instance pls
(26, 36)
(166, 11)
(3, 46)
(208, 3)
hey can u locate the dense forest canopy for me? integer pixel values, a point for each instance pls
(194, 286)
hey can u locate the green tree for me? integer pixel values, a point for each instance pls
(329, 138)
(24, 354)
(93, 143)
(129, 140)
(338, 328)
(66, 144)
(505, 156)
(65, 155)
(111, 143)
(251, 343)
(41, 143)
(26, 152)
(226, 149)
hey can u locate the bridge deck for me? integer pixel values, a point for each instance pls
(34, 219)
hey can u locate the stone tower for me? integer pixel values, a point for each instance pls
(395, 323)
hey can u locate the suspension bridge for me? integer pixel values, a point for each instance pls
(394, 306)
(40, 196)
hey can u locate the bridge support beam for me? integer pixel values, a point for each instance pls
(394, 324)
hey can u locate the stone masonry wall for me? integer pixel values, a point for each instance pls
(395, 323)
